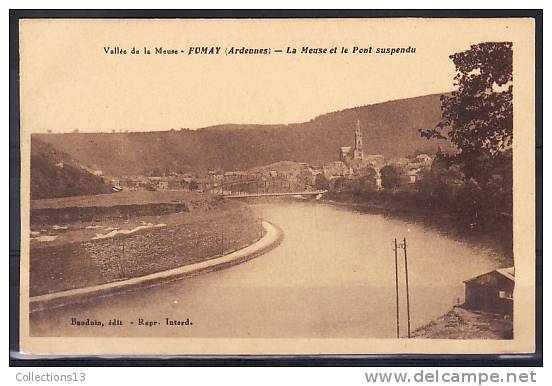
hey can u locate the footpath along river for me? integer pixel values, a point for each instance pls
(332, 276)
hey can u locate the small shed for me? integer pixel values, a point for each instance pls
(491, 291)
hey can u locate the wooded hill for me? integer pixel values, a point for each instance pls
(389, 128)
(56, 174)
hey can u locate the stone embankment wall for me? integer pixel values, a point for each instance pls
(201, 236)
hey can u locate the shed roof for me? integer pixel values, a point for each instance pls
(508, 273)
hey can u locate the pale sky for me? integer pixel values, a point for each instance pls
(68, 82)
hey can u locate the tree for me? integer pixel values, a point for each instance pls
(321, 182)
(477, 117)
(156, 172)
(367, 171)
(305, 179)
(440, 162)
(368, 179)
(391, 177)
(193, 185)
(339, 184)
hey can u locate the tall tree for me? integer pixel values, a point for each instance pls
(321, 182)
(390, 177)
(477, 117)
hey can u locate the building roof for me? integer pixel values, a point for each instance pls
(508, 273)
(374, 156)
(424, 156)
(414, 172)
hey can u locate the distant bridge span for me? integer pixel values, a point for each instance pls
(244, 195)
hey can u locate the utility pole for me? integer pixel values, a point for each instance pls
(407, 292)
(121, 260)
(261, 223)
(222, 242)
(397, 288)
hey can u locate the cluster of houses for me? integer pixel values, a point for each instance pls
(213, 181)
(411, 169)
(282, 176)
(141, 182)
(354, 163)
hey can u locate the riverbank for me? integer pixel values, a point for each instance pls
(150, 235)
(500, 243)
(332, 276)
(271, 238)
(460, 323)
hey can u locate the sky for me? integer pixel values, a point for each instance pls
(68, 82)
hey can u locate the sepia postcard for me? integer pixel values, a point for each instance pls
(277, 186)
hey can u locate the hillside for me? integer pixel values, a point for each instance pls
(389, 128)
(56, 174)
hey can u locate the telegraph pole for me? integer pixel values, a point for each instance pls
(222, 242)
(397, 288)
(122, 260)
(261, 224)
(407, 292)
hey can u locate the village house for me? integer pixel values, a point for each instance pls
(375, 160)
(159, 183)
(176, 183)
(344, 153)
(204, 184)
(336, 169)
(491, 291)
(413, 176)
(415, 172)
(163, 185)
(134, 183)
(400, 162)
(424, 159)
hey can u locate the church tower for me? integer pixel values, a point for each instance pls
(358, 153)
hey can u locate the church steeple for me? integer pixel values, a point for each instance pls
(358, 152)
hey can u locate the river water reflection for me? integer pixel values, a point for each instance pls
(332, 276)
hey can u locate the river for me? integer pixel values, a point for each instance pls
(332, 276)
